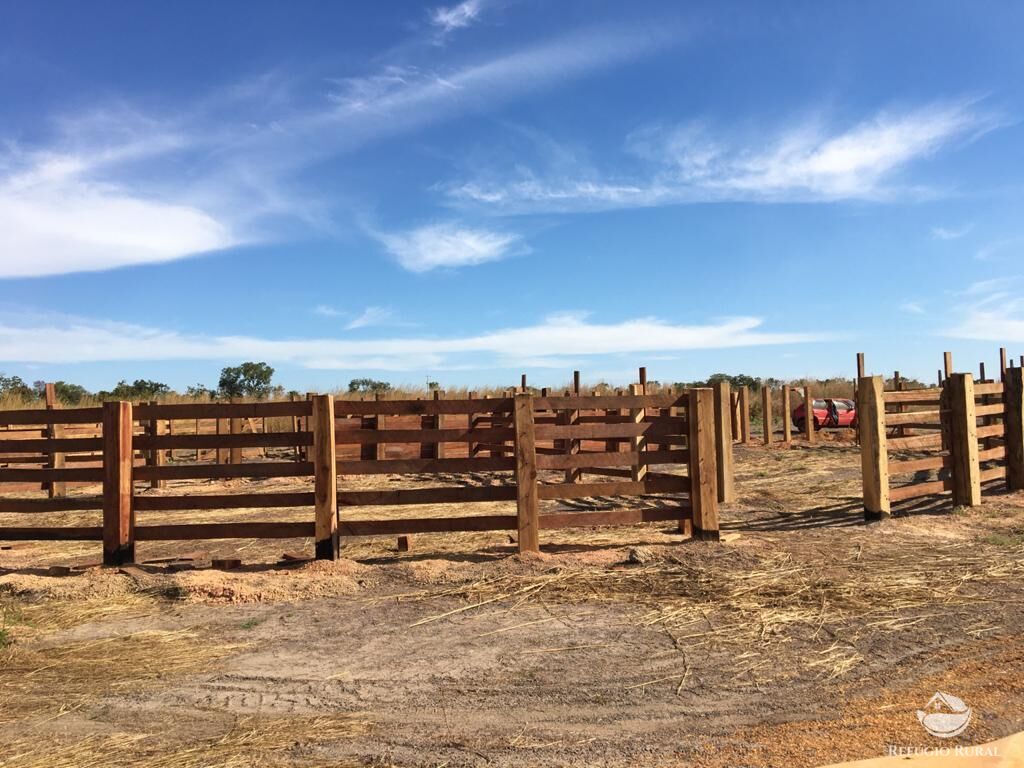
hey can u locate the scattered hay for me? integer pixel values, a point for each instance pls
(251, 741)
(53, 680)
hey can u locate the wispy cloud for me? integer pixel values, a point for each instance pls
(453, 17)
(550, 342)
(446, 245)
(325, 311)
(944, 233)
(695, 162)
(990, 310)
(373, 316)
(1010, 247)
(912, 308)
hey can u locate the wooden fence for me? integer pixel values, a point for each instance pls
(531, 448)
(968, 433)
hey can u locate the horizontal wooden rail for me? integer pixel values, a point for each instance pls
(994, 409)
(919, 465)
(995, 473)
(916, 490)
(992, 454)
(216, 471)
(469, 524)
(910, 417)
(71, 474)
(421, 407)
(624, 488)
(614, 517)
(579, 403)
(223, 501)
(55, 444)
(911, 396)
(586, 459)
(416, 466)
(665, 426)
(393, 436)
(239, 440)
(992, 430)
(62, 533)
(60, 504)
(917, 441)
(193, 531)
(268, 408)
(441, 495)
(52, 416)
(989, 388)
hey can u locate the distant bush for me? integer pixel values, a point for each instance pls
(368, 385)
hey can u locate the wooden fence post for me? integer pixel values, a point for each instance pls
(860, 375)
(963, 440)
(947, 365)
(637, 444)
(787, 416)
(56, 489)
(808, 415)
(236, 429)
(155, 457)
(432, 450)
(572, 445)
(325, 478)
(874, 455)
(1002, 363)
(766, 414)
(1014, 424)
(118, 511)
(703, 466)
(723, 441)
(527, 502)
(744, 415)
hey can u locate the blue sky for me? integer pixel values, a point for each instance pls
(466, 192)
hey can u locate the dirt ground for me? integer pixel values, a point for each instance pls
(804, 638)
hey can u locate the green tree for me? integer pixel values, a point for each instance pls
(66, 392)
(13, 386)
(140, 389)
(368, 385)
(246, 380)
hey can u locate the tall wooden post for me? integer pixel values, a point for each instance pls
(745, 414)
(897, 384)
(787, 415)
(947, 364)
(527, 502)
(963, 439)
(575, 382)
(325, 478)
(236, 429)
(572, 445)
(56, 489)
(1014, 426)
(703, 470)
(723, 442)
(860, 375)
(155, 457)
(223, 455)
(523, 384)
(766, 414)
(737, 424)
(637, 444)
(118, 511)
(1002, 363)
(470, 426)
(433, 449)
(874, 456)
(808, 415)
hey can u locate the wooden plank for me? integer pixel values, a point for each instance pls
(58, 488)
(68, 533)
(963, 440)
(1014, 422)
(993, 430)
(235, 425)
(468, 524)
(325, 479)
(723, 442)
(995, 473)
(402, 496)
(209, 471)
(415, 466)
(914, 396)
(744, 415)
(992, 409)
(527, 498)
(223, 501)
(45, 474)
(787, 417)
(65, 504)
(245, 440)
(916, 490)
(61, 444)
(118, 512)
(913, 417)
(193, 531)
(988, 388)
(703, 472)
(766, 414)
(673, 484)
(155, 457)
(398, 436)
(587, 459)
(638, 443)
(919, 465)
(638, 427)
(558, 520)
(598, 402)
(992, 454)
(567, 420)
(808, 415)
(873, 450)
(221, 410)
(914, 442)
(421, 407)
(52, 416)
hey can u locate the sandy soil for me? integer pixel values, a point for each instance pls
(805, 638)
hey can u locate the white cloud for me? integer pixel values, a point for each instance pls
(325, 311)
(697, 163)
(557, 338)
(944, 233)
(1001, 249)
(456, 16)
(373, 316)
(912, 308)
(446, 245)
(990, 310)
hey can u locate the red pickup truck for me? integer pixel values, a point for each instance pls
(828, 412)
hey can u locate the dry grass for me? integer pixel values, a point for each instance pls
(251, 741)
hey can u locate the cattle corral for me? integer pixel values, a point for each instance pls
(547, 604)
